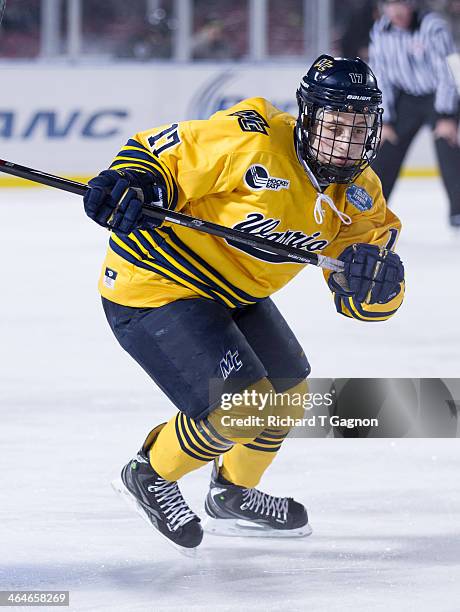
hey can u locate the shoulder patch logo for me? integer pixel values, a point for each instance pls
(257, 178)
(251, 121)
(359, 197)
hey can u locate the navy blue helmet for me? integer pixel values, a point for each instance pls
(340, 118)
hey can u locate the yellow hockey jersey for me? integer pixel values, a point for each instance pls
(239, 169)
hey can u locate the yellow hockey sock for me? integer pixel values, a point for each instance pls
(185, 444)
(245, 464)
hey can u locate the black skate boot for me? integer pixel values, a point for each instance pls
(159, 501)
(237, 511)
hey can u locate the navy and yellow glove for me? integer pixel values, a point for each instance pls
(371, 274)
(115, 199)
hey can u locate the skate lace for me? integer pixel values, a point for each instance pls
(172, 504)
(262, 503)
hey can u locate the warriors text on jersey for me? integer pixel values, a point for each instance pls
(238, 169)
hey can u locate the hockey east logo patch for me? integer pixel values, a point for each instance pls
(359, 197)
(257, 178)
(110, 276)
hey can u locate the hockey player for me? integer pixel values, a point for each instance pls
(195, 311)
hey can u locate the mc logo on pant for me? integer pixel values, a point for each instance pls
(231, 362)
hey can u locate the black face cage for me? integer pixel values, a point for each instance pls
(338, 144)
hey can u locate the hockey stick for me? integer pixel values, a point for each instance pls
(201, 225)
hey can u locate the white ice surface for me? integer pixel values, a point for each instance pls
(74, 408)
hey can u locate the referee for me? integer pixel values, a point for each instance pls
(407, 52)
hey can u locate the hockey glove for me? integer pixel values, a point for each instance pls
(115, 199)
(371, 274)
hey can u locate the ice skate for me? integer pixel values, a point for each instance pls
(236, 511)
(160, 503)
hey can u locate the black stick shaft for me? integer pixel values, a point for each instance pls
(237, 236)
(41, 177)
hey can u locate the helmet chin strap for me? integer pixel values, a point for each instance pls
(299, 150)
(321, 197)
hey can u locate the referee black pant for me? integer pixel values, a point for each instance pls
(412, 112)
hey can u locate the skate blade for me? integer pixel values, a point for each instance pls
(242, 528)
(128, 497)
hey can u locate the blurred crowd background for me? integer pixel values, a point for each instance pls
(216, 30)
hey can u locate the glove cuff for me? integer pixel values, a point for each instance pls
(338, 284)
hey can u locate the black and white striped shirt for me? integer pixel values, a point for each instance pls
(414, 61)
